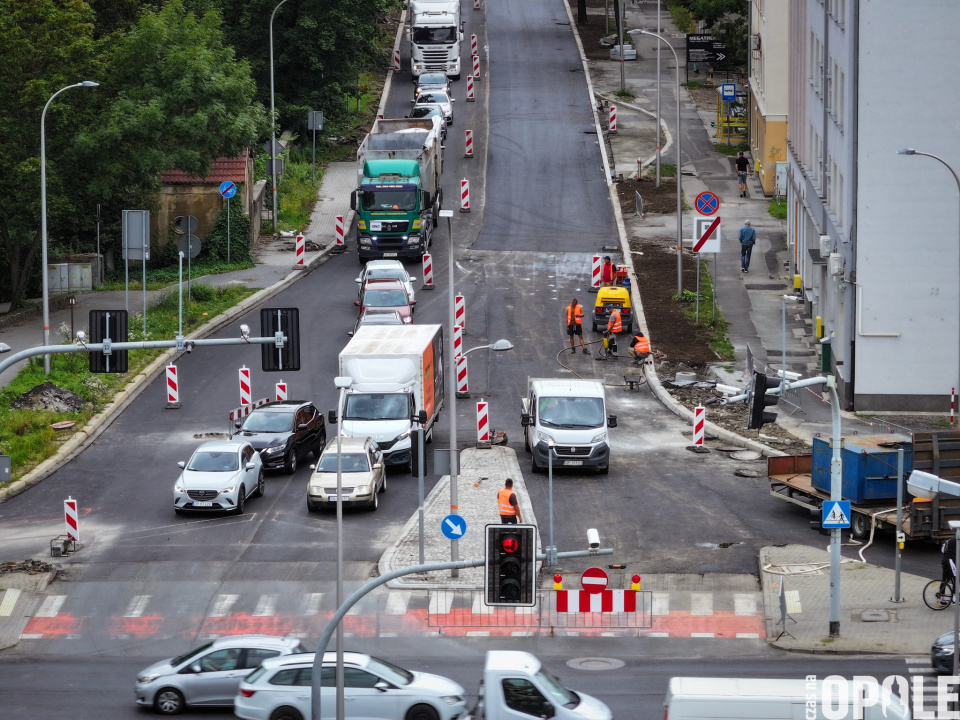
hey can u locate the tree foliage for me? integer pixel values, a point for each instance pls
(726, 20)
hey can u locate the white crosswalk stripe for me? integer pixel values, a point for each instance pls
(10, 598)
(701, 603)
(441, 602)
(50, 606)
(660, 603)
(744, 604)
(222, 604)
(310, 604)
(397, 603)
(266, 606)
(137, 606)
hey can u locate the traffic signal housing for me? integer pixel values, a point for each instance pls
(108, 325)
(510, 572)
(758, 418)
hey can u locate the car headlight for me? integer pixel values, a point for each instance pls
(365, 241)
(363, 489)
(452, 699)
(407, 320)
(401, 436)
(148, 677)
(178, 488)
(543, 437)
(272, 450)
(946, 649)
(228, 490)
(599, 438)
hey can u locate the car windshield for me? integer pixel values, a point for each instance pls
(376, 406)
(563, 412)
(426, 112)
(381, 319)
(384, 298)
(433, 97)
(390, 672)
(434, 36)
(214, 461)
(351, 463)
(432, 79)
(390, 200)
(556, 690)
(180, 659)
(386, 272)
(269, 422)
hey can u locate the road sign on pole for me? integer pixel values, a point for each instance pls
(453, 527)
(706, 234)
(707, 203)
(594, 580)
(836, 514)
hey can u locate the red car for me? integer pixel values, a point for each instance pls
(386, 294)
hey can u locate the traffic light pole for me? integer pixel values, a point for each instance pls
(382, 580)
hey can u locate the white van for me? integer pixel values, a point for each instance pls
(831, 698)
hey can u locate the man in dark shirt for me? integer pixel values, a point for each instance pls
(742, 166)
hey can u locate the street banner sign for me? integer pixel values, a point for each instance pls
(453, 527)
(706, 234)
(707, 203)
(836, 514)
(594, 580)
(702, 48)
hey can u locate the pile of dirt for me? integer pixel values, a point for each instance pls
(48, 396)
(30, 567)
(656, 200)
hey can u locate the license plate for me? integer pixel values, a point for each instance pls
(333, 498)
(386, 255)
(202, 503)
(573, 462)
(375, 225)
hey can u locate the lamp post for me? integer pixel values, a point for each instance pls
(551, 560)
(43, 216)
(342, 382)
(273, 137)
(679, 194)
(452, 394)
(956, 178)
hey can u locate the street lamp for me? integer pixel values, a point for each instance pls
(43, 216)
(551, 548)
(273, 129)
(499, 346)
(679, 194)
(343, 382)
(911, 151)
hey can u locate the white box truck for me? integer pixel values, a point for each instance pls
(396, 373)
(435, 34)
(515, 686)
(572, 416)
(398, 195)
(690, 698)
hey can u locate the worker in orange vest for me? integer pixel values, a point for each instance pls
(608, 272)
(507, 504)
(615, 323)
(575, 325)
(639, 348)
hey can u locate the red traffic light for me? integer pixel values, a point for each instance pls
(510, 544)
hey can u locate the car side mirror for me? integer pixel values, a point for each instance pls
(238, 424)
(353, 200)
(611, 421)
(181, 464)
(332, 417)
(349, 333)
(382, 686)
(250, 466)
(413, 279)
(303, 426)
(357, 303)
(412, 303)
(420, 417)
(358, 280)
(526, 420)
(195, 668)
(548, 710)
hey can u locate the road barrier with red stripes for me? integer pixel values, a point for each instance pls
(173, 387)
(483, 422)
(301, 246)
(427, 272)
(468, 143)
(464, 196)
(281, 391)
(470, 96)
(245, 393)
(698, 417)
(612, 125)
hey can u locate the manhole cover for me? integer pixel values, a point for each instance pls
(745, 455)
(741, 472)
(595, 663)
(875, 616)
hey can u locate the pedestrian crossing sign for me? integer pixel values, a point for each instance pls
(836, 514)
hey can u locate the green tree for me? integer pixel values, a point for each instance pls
(727, 21)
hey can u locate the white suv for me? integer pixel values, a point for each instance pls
(280, 689)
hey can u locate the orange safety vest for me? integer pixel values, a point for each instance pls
(642, 345)
(503, 502)
(575, 315)
(614, 324)
(607, 272)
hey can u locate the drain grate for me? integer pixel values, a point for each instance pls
(595, 663)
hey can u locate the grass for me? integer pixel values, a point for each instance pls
(159, 278)
(681, 17)
(714, 326)
(778, 209)
(626, 94)
(692, 84)
(731, 150)
(27, 435)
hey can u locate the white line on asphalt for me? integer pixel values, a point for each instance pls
(572, 633)
(222, 605)
(389, 634)
(478, 633)
(50, 606)
(703, 635)
(266, 606)
(656, 634)
(920, 671)
(916, 660)
(440, 602)
(479, 607)
(744, 604)
(397, 603)
(701, 603)
(660, 604)
(138, 603)
(748, 635)
(31, 636)
(522, 633)
(310, 605)
(10, 598)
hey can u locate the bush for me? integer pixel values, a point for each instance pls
(215, 243)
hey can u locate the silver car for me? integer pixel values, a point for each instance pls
(220, 476)
(438, 97)
(431, 81)
(387, 269)
(208, 675)
(363, 475)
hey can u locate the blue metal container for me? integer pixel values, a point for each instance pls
(869, 466)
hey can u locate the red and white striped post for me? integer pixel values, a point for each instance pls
(245, 396)
(468, 143)
(483, 422)
(476, 4)
(457, 341)
(72, 519)
(952, 394)
(596, 272)
(698, 417)
(612, 125)
(396, 60)
(470, 95)
(459, 316)
(476, 67)
(473, 44)
(173, 387)
(281, 391)
(464, 196)
(427, 272)
(338, 231)
(463, 389)
(301, 246)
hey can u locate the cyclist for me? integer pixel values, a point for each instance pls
(949, 565)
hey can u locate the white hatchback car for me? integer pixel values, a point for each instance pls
(280, 689)
(220, 475)
(377, 269)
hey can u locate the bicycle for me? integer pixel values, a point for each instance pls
(938, 594)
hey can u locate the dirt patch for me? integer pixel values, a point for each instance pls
(656, 200)
(48, 396)
(31, 567)
(593, 32)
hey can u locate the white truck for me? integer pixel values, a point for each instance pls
(398, 195)
(571, 415)
(516, 686)
(396, 374)
(435, 34)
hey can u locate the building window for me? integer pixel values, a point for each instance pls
(841, 102)
(840, 199)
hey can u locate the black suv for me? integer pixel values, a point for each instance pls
(283, 432)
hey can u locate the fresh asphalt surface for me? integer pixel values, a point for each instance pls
(541, 210)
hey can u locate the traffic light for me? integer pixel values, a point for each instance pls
(287, 321)
(510, 573)
(108, 325)
(758, 418)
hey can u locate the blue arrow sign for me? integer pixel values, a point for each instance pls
(453, 527)
(836, 514)
(228, 189)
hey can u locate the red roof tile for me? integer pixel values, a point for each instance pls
(234, 169)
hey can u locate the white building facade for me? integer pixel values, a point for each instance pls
(875, 235)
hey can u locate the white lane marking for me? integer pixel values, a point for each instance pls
(10, 598)
(51, 606)
(222, 605)
(920, 671)
(916, 660)
(478, 633)
(397, 603)
(310, 604)
(440, 602)
(137, 605)
(748, 635)
(744, 604)
(522, 633)
(701, 635)
(479, 607)
(656, 634)
(660, 604)
(266, 606)
(701, 603)
(31, 636)
(389, 634)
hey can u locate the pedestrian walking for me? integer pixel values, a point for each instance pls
(608, 272)
(575, 325)
(742, 166)
(748, 238)
(507, 505)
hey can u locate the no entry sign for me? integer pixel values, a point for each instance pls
(593, 580)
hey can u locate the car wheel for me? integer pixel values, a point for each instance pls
(422, 712)
(285, 713)
(241, 500)
(383, 485)
(290, 462)
(859, 527)
(375, 503)
(594, 327)
(312, 507)
(169, 701)
(533, 464)
(261, 485)
(179, 511)
(605, 470)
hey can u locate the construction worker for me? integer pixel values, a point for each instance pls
(575, 325)
(614, 323)
(507, 504)
(639, 348)
(607, 272)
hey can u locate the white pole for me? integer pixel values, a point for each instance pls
(273, 134)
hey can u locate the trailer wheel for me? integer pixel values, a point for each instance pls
(859, 526)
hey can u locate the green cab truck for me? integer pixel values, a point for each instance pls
(398, 196)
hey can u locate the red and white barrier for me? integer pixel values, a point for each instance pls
(476, 67)
(244, 410)
(698, 417)
(952, 394)
(245, 394)
(612, 126)
(483, 422)
(470, 95)
(72, 519)
(459, 314)
(468, 142)
(473, 45)
(301, 246)
(464, 195)
(427, 272)
(281, 388)
(607, 601)
(173, 387)
(396, 60)
(463, 388)
(597, 271)
(338, 231)
(476, 4)
(457, 341)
